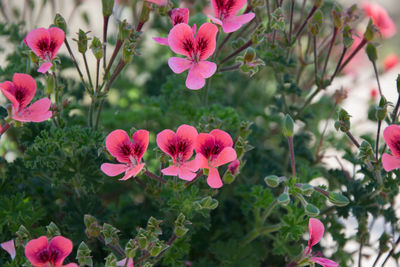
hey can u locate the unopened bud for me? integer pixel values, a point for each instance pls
(370, 31)
(311, 210)
(59, 21)
(249, 55)
(371, 52)
(108, 6)
(288, 126)
(338, 199)
(82, 41)
(307, 189)
(284, 199)
(272, 180)
(97, 48)
(83, 255)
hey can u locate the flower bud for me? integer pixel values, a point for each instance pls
(110, 234)
(371, 52)
(338, 199)
(307, 189)
(59, 21)
(272, 180)
(370, 31)
(233, 167)
(83, 255)
(92, 227)
(288, 126)
(82, 41)
(381, 110)
(249, 55)
(343, 123)
(124, 30)
(130, 248)
(157, 248)
(311, 210)
(366, 151)
(337, 20)
(111, 261)
(52, 230)
(144, 16)
(108, 6)
(97, 48)
(228, 178)
(284, 199)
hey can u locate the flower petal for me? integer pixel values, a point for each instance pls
(186, 174)
(216, 5)
(36, 37)
(188, 134)
(113, 169)
(206, 40)
(45, 67)
(234, 7)
(180, 40)
(195, 80)
(132, 172)
(316, 231)
(165, 139)
(140, 142)
(8, 89)
(161, 40)
(62, 247)
(203, 140)
(324, 262)
(201, 161)
(57, 37)
(170, 171)
(215, 20)
(158, 2)
(114, 141)
(206, 68)
(213, 179)
(391, 134)
(123, 261)
(380, 18)
(37, 112)
(233, 24)
(9, 247)
(192, 165)
(227, 155)
(27, 86)
(390, 162)
(179, 15)
(33, 248)
(71, 265)
(178, 64)
(222, 137)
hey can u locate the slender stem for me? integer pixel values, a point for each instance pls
(233, 67)
(74, 61)
(268, 11)
(291, 23)
(360, 254)
(321, 139)
(395, 110)
(105, 28)
(269, 210)
(222, 44)
(308, 101)
(97, 75)
(117, 250)
(355, 142)
(139, 181)
(155, 177)
(378, 133)
(4, 128)
(314, 8)
(391, 251)
(118, 46)
(338, 64)
(292, 160)
(377, 78)
(207, 89)
(259, 232)
(199, 174)
(315, 59)
(240, 49)
(358, 48)
(335, 32)
(87, 71)
(377, 258)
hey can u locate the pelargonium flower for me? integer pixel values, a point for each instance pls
(123, 261)
(158, 2)
(41, 253)
(213, 150)
(233, 167)
(177, 15)
(390, 62)
(9, 247)
(45, 43)
(197, 49)
(127, 152)
(21, 92)
(225, 14)
(179, 146)
(391, 134)
(316, 231)
(380, 18)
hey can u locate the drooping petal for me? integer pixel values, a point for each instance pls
(316, 231)
(186, 174)
(324, 262)
(119, 145)
(170, 171)
(33, 249)
(195, 80)
(222, 137)
(9, 247)
(158, 2)
(391, 134)
(132, 172)
(45, 67)
(201, 161)
(161, 40)
(206, 68)
(181, 41)
(206, 40)
(140, 142)
(123, 261)
(178, 64)
(192, 165)
(113, 169)
(227, 155)
(215, 20)
(37, 112)
(164, 140)
(213, 179)
(186, 134)
(59, 248)
(179, 15)
(8, 89)
(38, 39)
(57, 37)
(25, 88)
(232, 24)
(390, 162)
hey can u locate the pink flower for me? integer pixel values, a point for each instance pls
(213, 150)
(21, 92)
(42, 253)
(225, 14)
(177, 15)
(233, 167)
(179, 147)
(390, 62)
(391, 134)
(127, 152)
(316, 231)
(158, 2)
(45, 44)
(380, 18)
(373, 93)
(197, 49)
(122, 262)
(9, 247)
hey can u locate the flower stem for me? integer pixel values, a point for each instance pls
(292, 160)
(259, 232)
(240, 49)
(155, 177)
(87, 71)
(105, 28)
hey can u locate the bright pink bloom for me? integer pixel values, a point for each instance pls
(233, 167)
(179, 147)
(380, 18)
(21, 92)
(42, 253)
(225, 14)
(45, 43)
(316, 231)
(197, 49)
(122, 262)
(390, 62)
(177, 15)
(158, 2)
(128, 152)
(9, 247)
(213, 150)
(374, 93)
(391, 134)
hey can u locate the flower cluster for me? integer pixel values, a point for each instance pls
(212, 150)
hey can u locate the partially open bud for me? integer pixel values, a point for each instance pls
(249, 55)
(59, 21)
(82, 41)
(370, 31)
(233, 167)
(338, 199)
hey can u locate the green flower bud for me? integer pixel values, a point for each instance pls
(347, 36)
(311, 210)
(180, 231)
(111, 261)
(52, 230)
(130, 248)
(343, 123)
(50, 85)
(288, 126)
(153, 226)
(124, 30)
(338, 199)
(228, 178)
(370, 31)
(83, 255)
(381, 110)
(157, 248)
(97, 48)
(366, 151)
(92, 226)
(59, 21)
(272, 180)
(371, 52)
(110, 234)
(82, 41)
(108, 6)
(307, 189)
(337, 20)
(142, 239)
(284, 199)
(249, 55)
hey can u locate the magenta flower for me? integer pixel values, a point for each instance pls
(380, 18)
(316, 231)
(123, 261)
(177, 15)
(42, 253)
(158, 2)
(391, 134)
(45, 44)
(213, 150)
(127, 152)
(225, 14)
(9, 247)
(233, 167)
(21, 92)
(179, 146)
(197, 49)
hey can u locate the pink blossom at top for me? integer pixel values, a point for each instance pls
(390, 62)
(158, 2)
(177, 15)
(391, 134)
(225, 14)
(316, 231)
(179, 146)
(213, 150)
(21, 92)
(127, 152)
(380, 18)
(9, 247)
(123, 261)
(42, 253)
(197, 49)
(45, 43)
